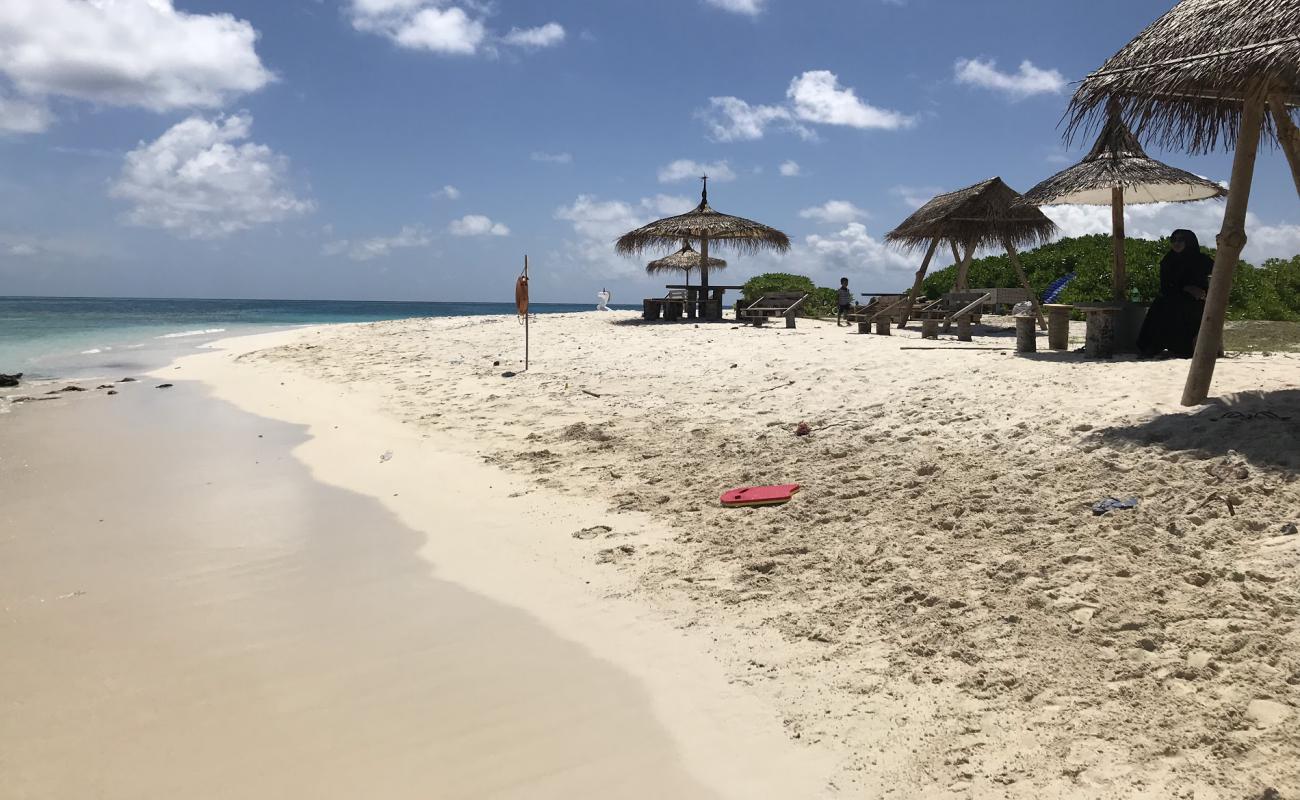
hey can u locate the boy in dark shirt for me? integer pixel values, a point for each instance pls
(843, 299)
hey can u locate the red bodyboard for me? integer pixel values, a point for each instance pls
(759, 495)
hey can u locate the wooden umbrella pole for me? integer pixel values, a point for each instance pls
(1288, 137)
(956, 265)
(963, 271)
(1120, 277)
(704, 277)
(916, 286)
(1024, 280)
(1231, 240)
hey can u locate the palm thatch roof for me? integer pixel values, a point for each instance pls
(1182, 82)
(683, 260)
(742, 235)
(982, 216)
(1117, 160)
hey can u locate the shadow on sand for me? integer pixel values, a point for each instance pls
(1262, 427)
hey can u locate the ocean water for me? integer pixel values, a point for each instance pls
(72, 337)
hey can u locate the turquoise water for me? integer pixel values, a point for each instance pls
(70, 337)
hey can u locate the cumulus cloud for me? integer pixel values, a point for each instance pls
(834, 212)
(813, 97)
(1029, 80)
(477, 225)
(818, 97)
(685, 169)
(597, 223)
(548, 35)
(1154, 220)
(447, 28)
(852, 251)
(202, 179)
(553, 158)
(747, 7)
(140, 53)
(450, 192)
(379, 246)
(789, 169)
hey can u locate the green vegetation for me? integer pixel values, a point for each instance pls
(1268, 292)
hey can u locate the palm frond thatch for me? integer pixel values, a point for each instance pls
(982, 216)
(738, 233)
(1117, 160)
(1182, 82)
(683, 260)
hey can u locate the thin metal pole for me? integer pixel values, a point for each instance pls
(526, 314)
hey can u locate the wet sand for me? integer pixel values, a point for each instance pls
(186, 612)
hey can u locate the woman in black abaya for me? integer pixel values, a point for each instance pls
(1174, 319)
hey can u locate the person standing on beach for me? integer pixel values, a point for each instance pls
(844, 300)
(1174, 319)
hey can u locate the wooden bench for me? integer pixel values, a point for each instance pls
(671, 306)
(961, 307)
(776, 304)
(881, 310)
(1004, 298)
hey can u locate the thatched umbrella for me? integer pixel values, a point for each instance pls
(1205, 72)
(704, 225)
(1115, 172)
(683, 260)
(987, 215)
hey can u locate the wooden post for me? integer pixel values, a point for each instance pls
(1231, 240)
(963, 271)
(916, 286)
(1024, 281)
(1099, 341)
(704, 275)
(1058, 326)
(1026, 336)
(963, 328)
(1288, 137)
(882, 326)
(1120, 276)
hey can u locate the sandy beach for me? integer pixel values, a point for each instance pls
(938, 613)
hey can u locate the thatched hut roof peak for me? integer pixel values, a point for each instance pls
(1183, 80)
(984, 215)
(703, 222)
(685, 259)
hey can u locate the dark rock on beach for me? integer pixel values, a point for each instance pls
(10, 380)
(127, 380)
(163, 386)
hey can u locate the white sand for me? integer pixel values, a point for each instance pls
(938, 610)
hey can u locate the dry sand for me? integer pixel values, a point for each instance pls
(186, 613)
(938, 609)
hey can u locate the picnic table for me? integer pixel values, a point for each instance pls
(712, 304)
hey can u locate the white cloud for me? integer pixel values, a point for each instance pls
(789, 169)
(1154, 220)
(850, 252)
(818, 97)
(597, 223)
(548, 35)
(834, 212)
(553, 158)
(141, 53)
(814, 97)
(23, 249)
(748, 7)
(443, 27)
(916, 196)
(477, 225)
(379, 246)
(685, 169)
(450, 192)
(23, 116)
(1029, 80)
(201, 179)
(734, 120)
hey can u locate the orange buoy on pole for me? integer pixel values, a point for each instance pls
(521, 304)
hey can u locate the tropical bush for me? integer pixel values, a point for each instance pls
(770, 282)
(1270, 292)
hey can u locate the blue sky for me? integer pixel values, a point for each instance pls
(416, 149)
